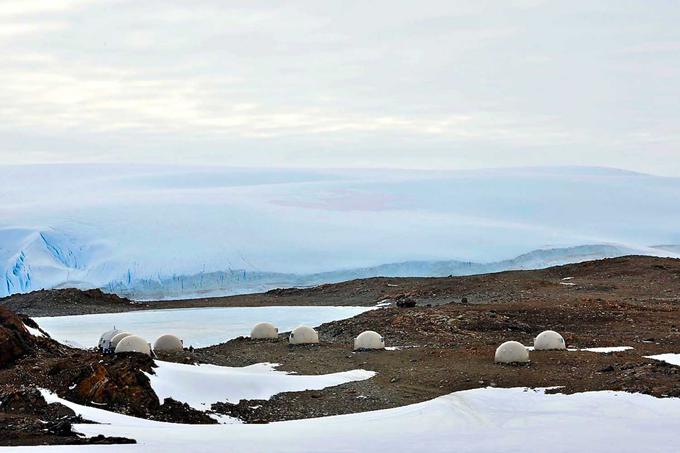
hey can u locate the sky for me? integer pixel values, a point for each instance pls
(428, 84)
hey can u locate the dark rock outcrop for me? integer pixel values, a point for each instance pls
(14, 337)
(68, 301)
(27, 419)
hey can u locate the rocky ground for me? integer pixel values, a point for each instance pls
(30, 360)
(450, 347)
(445, 343)
(63, 302)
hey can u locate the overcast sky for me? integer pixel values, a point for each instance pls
(415, 84)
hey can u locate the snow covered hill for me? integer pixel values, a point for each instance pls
(163, 231)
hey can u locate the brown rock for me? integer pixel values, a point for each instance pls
(14, 338)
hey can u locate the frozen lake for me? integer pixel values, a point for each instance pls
(198, 327)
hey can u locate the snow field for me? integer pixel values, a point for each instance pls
(476, 421)
(201, 385)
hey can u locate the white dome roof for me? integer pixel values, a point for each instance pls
(133, 343)
(117, 337)
(105, 339)
(264, 330)
(369, 340)
(168, 343)
(548, 340)
(512, 352)
(303, 335)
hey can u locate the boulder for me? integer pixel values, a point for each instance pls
(15, 340)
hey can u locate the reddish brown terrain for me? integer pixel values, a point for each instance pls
(446, 343)
(29, 363)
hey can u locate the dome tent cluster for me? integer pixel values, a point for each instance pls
(510, 352)
(117, 341)
(516, 352)
(367, 340)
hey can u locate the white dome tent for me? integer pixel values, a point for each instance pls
(303, 335)
(264, 330)
(105, 340)
(512, 352)
(116, 339)
(369, 340)
(549, 340)
(168, 343)
(133, 343)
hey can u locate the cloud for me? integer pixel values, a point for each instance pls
(17, 30)
(18, 8)
(459, 84)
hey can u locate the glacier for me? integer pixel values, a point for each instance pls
(161, 231)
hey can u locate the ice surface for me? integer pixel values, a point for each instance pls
(673, 359)
(474, 421)
(197, 327)
(200, 386)
(154, 231)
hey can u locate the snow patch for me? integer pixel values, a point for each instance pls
(224, 419)
(602, 350)
(201, 385)
(33, 331)
(673, 359)
(607, 350)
